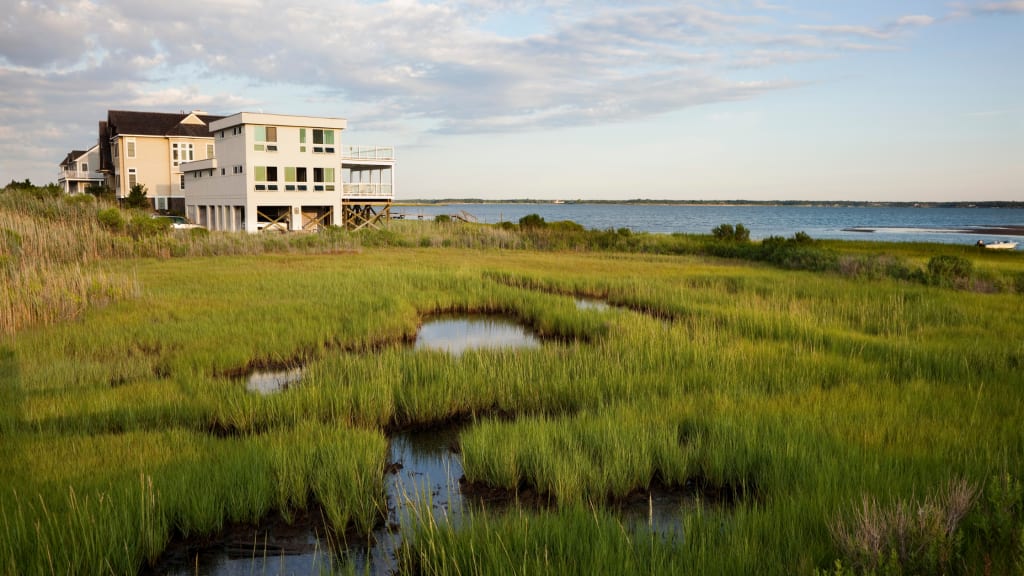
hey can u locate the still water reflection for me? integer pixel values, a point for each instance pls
(457, 335)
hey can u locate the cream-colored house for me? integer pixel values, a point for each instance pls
(79, 170)
(285, 173)
(149, 148)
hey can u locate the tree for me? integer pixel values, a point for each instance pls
(137, 197)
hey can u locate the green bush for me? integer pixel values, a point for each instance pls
(566, 226)
(146, 227)
(729, 233)
(532, 221)
(111, 219)
(442, 219)
(948, 270)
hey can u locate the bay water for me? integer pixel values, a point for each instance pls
(882, 223)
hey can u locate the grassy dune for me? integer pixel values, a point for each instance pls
(790, 400)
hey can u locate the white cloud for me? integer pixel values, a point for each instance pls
(421, 61)
(1016, 6)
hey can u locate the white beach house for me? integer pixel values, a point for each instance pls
(286, 173)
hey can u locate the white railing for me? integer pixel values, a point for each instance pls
(78, 174)
(368, 153)
(374, 190)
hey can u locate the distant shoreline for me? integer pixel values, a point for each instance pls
(738, 203)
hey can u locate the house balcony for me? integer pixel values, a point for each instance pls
(357, 154)
(368, 190)
(65, 175)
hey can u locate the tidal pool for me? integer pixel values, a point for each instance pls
(456, 335)
(273, 381)
(590, 304)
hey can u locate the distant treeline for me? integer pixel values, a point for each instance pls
(819, 203)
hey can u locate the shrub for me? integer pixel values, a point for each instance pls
(111, 219)
(146, 227)
(532, 221)
(947, 270)
(442, 219)
(909, 537)
(729, 233)
(723, 232)
(198, 233)
(566, 226)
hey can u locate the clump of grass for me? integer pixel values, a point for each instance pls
(907, 536)
(570, 540)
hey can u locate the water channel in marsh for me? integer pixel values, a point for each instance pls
(424, 473)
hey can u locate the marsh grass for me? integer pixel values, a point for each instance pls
(780, 397)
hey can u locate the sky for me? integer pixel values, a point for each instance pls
(555, 99)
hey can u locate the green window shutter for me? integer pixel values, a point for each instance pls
(302, 135)
(289, 174)
(261, 134)
(328, 174)
(329, 137)
(261, 173)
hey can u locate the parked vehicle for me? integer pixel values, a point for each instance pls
(178, 222)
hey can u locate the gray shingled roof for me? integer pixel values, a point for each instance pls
(70, 158)
(156, 124)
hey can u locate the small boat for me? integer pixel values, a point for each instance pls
(1000, 245)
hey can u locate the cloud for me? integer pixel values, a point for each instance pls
(1015, 7)
(427, 63)
(885, 32)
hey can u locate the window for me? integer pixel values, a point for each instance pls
(133, 178)
(237, 169)
(129, 145)
(85, 167)
(301, 176)
(181, 152)
(266, 138)
(323, 140)
(302, 139)
(323, 179)
(266, 174)
(209, 150)
(223, 171)
(160, 202)
(181, 183)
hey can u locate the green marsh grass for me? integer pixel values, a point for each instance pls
(781, 397)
